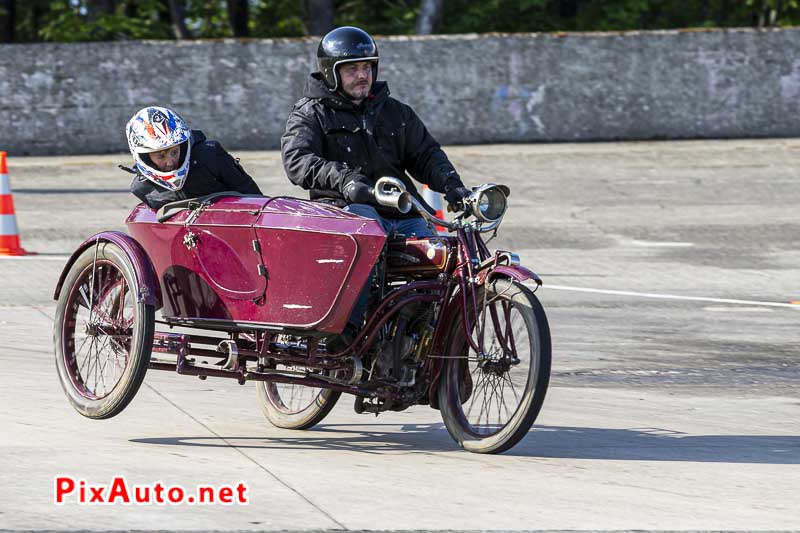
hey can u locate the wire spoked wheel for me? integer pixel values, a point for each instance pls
(102, 334)
(490, 400)
(291, 406)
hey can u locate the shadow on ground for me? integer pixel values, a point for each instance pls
(635, 444)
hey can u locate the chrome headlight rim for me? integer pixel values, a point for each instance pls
(487, 190)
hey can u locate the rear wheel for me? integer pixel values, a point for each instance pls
(103, 334)
(489, 401)
(292, 406)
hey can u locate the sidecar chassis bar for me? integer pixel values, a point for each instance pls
(185, 366)
(183, 345)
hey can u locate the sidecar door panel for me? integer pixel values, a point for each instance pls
(229, 262)
(318, 259)
(222, 242)
(307, 273)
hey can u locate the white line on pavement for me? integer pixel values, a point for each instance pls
(670, 296)
(30, 257)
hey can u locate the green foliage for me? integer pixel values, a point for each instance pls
(70, 21)
(382, 17)
(767, 12)
(607, 15)
(84, 20)
(208, 19)
(463, 16)
(277, 18)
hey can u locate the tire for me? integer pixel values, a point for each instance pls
(467, 384)
(102, 334)
(295, 406)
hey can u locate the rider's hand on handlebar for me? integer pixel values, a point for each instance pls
(358, 192)
(455, 198)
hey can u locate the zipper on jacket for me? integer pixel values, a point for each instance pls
(369, 138)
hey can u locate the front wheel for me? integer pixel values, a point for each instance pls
(489, 401)
(103, 334)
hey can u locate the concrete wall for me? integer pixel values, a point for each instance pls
(76, 98)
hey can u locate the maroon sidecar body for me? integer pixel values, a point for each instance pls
(281, 263)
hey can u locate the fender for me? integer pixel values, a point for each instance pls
(149, 288)
(516, 272)
(453, 304)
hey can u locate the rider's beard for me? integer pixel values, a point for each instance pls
(357, 92)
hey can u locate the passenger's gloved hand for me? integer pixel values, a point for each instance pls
(455, 197)
(358, 191)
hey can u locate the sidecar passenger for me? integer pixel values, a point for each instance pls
(174, 163)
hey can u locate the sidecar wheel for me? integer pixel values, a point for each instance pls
(103, 334)
(295, 406)
(490, 403)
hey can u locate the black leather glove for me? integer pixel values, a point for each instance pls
(358, 191)
(455, 197)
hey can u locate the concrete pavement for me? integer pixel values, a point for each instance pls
(663, 413)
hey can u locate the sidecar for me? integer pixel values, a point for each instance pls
(276, 263)
(232, 264)
(235, 262)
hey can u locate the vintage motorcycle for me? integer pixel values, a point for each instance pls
(253, 288)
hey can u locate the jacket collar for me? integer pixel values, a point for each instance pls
(197, 137)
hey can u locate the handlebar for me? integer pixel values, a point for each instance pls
(391, 192)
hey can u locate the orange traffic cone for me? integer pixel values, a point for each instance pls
(437, 203)
(9, 235)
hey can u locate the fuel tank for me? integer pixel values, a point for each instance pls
(420, 257)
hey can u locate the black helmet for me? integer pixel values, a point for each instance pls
(345, 45)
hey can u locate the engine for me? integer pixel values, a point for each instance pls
(405, 346)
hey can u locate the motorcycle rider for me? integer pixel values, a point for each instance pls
(346, 132)
(174, 163)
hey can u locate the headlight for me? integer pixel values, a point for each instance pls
(489, 202)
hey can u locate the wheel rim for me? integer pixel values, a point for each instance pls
(98, 328)
(292, 399)
(492, 387)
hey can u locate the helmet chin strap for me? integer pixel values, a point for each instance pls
(129, 170)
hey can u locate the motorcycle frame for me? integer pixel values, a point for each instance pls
(472, 254)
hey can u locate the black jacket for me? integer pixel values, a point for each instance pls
(329, 141)
(211, 169)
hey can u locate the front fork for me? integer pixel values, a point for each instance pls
(472, 251)
(477, 268)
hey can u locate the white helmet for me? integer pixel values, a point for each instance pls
(157, 128)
